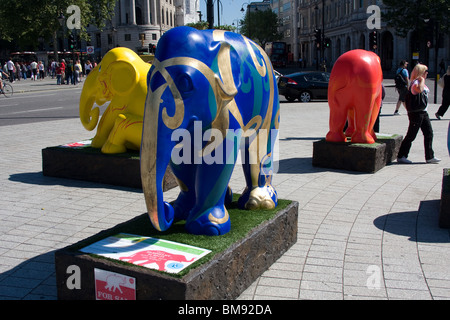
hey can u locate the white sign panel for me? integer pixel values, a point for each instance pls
(162, 255)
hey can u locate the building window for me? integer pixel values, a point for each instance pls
(139, 19)
(98, 39)
(127, 37)
(154, 36)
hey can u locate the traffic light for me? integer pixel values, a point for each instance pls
(327, 42)
(373, 41)
(429, 33)
(318, 37)
(71, 41)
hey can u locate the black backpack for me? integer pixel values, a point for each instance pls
(400, 81)
(416, 103)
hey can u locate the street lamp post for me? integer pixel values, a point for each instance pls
(218, 12)
(210, 13)
(322, 35)
(436, 39)
(237, 25)
(322, 41)
(61, 20)
(436, 49)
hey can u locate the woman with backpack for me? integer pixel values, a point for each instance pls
(416, 101)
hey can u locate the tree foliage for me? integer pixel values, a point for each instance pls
(405, 16)
(24, 21)
(203, 25)
(261, 26)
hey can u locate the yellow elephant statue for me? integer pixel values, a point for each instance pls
(121, 78)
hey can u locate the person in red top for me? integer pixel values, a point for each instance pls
(63, 70)
(58, 73)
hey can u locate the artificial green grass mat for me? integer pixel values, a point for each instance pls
(242, 222)
(380, 140)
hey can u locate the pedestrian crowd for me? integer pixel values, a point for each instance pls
(65, 72)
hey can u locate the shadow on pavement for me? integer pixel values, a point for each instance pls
(33, 279)
(39, 179)
(419, 226)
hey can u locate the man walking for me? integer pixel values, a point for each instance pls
(401, 84)
(10, 66)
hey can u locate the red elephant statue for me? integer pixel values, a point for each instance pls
(354, 94)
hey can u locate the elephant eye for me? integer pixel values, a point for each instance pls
(184, 83)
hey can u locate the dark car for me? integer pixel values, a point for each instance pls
(304, 86)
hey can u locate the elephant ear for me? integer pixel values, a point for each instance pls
(124, 77)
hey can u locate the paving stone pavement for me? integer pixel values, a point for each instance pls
(360, 236)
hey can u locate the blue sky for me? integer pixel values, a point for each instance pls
(231, 11)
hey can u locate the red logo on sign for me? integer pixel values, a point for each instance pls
(114, 286)
(155, 256)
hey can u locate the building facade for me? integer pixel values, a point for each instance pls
(345, 24)
(138, 24)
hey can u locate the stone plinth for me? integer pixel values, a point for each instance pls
(90, 164)
(354, 156)
(224, 276)
(444, 212)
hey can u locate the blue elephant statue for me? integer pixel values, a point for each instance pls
(211, 93)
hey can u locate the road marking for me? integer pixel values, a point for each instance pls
(29, 96)
(36, 110)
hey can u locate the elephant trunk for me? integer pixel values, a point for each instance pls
(156, 148)
(88, 116)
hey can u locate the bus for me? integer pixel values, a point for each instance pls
(25, 57)
(277, 52)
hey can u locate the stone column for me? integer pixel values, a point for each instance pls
(123, 12)
(154, 12)
(132, 12)
(146, 13)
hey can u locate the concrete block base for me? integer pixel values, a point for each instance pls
(356, 157)
(89, 164)
(444, 212)
(225, 276)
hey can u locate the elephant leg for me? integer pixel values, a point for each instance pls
(365, 119)
(375, 114)
(209, 215)
(126, 132)
(338, 117)
(185, 175)
(258, 171)
(350, 123)
(104, 127)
